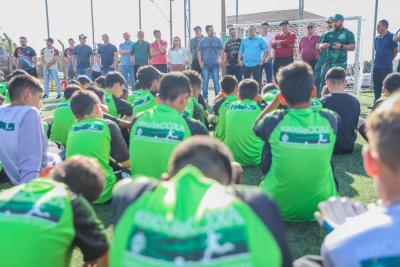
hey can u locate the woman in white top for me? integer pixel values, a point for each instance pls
(178, 57)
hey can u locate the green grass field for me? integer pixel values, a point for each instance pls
(304, 238)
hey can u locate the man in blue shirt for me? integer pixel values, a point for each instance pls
(109, 55)
(126, 62)
(250, 53)
(83, 57)
(396, 38)
(385, 53)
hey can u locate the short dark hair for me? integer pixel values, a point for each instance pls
(22, 37)
(83, 176)
(173, 85)
(101, 81)
(21, 82)
(70, 39)
(209, 155)
(146, 75)
(336, 75)
(156, 31)
(113, 78)
(264, 24)
(392, 82)
(228, 83)
(74, 82)
(83, 79)
(208, 27)
(83, 102)
(70, 90)
(248, 89)
(385, 23)
(232, 29)
(15, 73)
(268, 87)
(296, 82)
(100, 93)
(194, 78)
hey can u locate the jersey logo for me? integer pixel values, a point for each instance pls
(88, 127)
(142, 101)
(242, 107)
(304, 138)
(8, 127)
(153, 133)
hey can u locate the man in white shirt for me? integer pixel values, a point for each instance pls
(267, 37)
(49, 58)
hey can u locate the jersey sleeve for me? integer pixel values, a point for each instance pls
(267, 125)
(332, 117)
(217, 105)
(90, 236)
(33, 52)
(119, 149)
(196, 127)
(350, 38)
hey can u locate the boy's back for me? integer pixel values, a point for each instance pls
(219, 109)
(62, 122)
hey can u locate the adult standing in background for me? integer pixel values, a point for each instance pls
(96, 67)
(268, 37)
(158, 52)
(83, 57)
(283, 44)
(178, 56)
(126, 61)
(69, 55)
(209, 54)
(109, 55)
(26, 58)
(231, 52)
(385, 53)
(396, 38)
(194, 44)
(308, 46)
(140, 53)
(49, 57)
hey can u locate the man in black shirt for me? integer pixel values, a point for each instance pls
(231, 52)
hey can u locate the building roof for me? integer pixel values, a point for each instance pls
(271, 16)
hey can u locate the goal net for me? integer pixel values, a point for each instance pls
(299, 27)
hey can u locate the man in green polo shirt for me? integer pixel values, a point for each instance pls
(140, 52)
(299, 143)
(95, 137)
(337, 42)
(241, 115)
(156, 133)
(117, 107)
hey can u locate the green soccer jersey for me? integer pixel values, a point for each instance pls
(194, 110)
(142, 100)
(3, 88)
(112, 108)
(220, 111)
(337, 57)
(36, 225)
(182, 223)
(62, 122)
(92, 138)
(270, 95)
(246, 147)
(298, 151)
(153, 137)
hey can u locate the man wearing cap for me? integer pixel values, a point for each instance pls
(49, 57)
(283, 45)
(26, 58)
(194, 44)
(337, 42)
(308, 46)
(83, 57)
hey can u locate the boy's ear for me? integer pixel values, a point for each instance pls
(371, 165)
(282, 99)
(313, 92)
(158, 98)
(386, 92)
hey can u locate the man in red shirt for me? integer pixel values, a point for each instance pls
(158, 52)
(308, 46)
(283, 45)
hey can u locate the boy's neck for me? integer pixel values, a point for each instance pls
(299, 106)
(337, 89)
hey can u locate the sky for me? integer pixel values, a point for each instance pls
(69, 18)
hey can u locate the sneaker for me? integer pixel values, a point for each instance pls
(58, 97)
(45, 96)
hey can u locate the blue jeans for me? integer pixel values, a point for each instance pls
(83, 71)
(127, 72)
(235, 71)
(48, 75)
(105, 70)
(214, 70)
(267, 67)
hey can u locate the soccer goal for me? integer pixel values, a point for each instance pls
(299, 27)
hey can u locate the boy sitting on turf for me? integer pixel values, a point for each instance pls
(95, 137)
(298, 147)
(148, 82)
(269, 92)
(194, 110)
(229, 87)
(240, 116)
(63, 117)
(391, 84)
(117, 107)
(85, 81)
(346, 106)
(156, 133)
(47, 217)
(100, 82)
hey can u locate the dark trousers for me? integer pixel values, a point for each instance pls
(235, 71)
(196, 66)
(378, 75)
(267, 67)
(161, 67)
(312, 64)
(252, 71)
(281, 62)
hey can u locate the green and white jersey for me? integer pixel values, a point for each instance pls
(316, 103)
(220, 111)
(92, 138)
(112, 108)
(182, 223)
(189, 110)
(142, 100)
(3, 88)
(337, 57)
(246, 147)
(62, 122)
(270, 95)
(297, 159)
(36, 225)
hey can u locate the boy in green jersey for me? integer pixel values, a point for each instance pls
(269, 92)
(117, 107)
(229, 86)
(148, 82)
(156, 133)
(194, 109)
(95, 137)
(241, 115)
(47, 217)
(298, 147)
(208, 221)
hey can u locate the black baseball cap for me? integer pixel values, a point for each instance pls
(197, 28)
(284, 22)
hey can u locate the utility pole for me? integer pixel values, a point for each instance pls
(170, 22)
(223, 20)
(301, 9)
(91, 12)
(374, 30)
(47, 19)
(237, 11)
(140, 14)
(187, 22)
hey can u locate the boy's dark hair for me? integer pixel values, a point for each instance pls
(2, 99)
(74, 82)
(22, 37)
(70, 90)
(113, 78)
(125, 94)
(228, 84)
(83, 79)
(296, 83)
(21, 82)
(15, 73)
(146, 75)
(264, 24)
(248, 89)
(208, 27)
(231, 29)
(336, 75)
(100, 93)
(83, 102)
(156, 31)
(70, 39)
(384, 23)
(101, 81)
(209, 155)
(83, 176)
(173, 85)
(392, 82)
(268, 87)
(194, 78)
